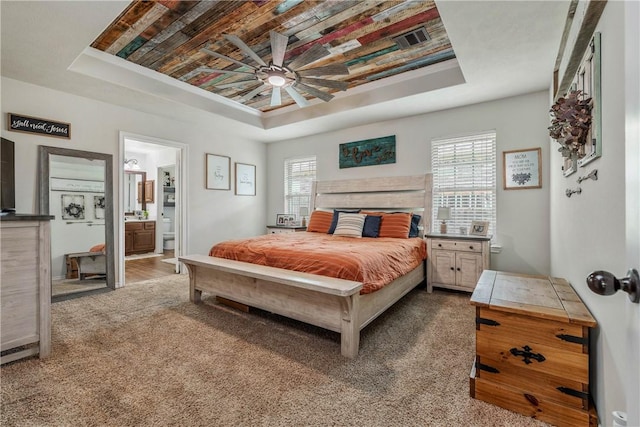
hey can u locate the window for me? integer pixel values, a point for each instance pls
(464, 179)
(298, 175)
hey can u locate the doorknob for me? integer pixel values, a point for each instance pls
(605, 283)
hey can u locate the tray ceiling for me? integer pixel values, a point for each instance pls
(169, 37)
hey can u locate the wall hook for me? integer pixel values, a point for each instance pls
(570, 192)
(591, 175)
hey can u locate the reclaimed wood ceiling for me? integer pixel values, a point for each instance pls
(168, 37)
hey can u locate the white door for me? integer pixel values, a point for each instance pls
(632, 168)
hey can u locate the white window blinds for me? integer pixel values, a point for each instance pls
(464, 179)
(299, 173)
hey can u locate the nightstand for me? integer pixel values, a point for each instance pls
(274, 229)
(456, 261)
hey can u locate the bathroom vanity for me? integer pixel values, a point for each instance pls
(139, 237)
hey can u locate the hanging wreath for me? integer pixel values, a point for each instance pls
(571, 123)
(75, 210)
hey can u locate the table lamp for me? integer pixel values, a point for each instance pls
(303, 212)
(444, 214)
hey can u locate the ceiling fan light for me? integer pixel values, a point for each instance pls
(276, 78)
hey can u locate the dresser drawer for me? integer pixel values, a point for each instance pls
(456, 245)
(151, 225)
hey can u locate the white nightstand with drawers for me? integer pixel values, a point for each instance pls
(456, 261)
(274, 229)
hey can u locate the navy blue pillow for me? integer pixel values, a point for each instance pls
(334, 220)
(371, 226)
(413, 230)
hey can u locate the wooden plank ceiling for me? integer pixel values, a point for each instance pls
(167, 37)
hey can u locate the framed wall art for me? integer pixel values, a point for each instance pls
(218, 172)
(245, 179)
(368, 152)
(588, 80)
(72, 206)
(522, 169)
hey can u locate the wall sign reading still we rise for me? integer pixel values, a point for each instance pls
(377, 151)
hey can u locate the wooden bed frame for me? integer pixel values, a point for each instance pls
(329, 303)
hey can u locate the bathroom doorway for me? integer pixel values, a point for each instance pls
(153, 214)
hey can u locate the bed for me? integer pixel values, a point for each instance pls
(332, 303)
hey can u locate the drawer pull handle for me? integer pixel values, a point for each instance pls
(451, 268)
(527, 355)
(573, 339)
(471, 247)
(489, 322)
(574, 393)
(439, 245)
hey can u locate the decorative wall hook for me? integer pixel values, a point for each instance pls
(570, 192)
(605, 283)
(591, 175)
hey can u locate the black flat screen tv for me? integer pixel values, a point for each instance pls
(7, 175)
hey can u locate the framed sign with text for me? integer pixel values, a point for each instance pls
(369, 152)
(522, 169)
(27, 124)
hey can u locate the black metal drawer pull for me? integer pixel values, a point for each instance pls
(487, 368)
(527, 355)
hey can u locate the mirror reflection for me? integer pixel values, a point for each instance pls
(134, 197)
(76, 191)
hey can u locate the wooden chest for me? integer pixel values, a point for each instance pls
(532, 348)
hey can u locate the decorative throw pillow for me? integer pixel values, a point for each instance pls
(320, 221)
(349, 225)
(415, 220)
(396, 225)
(334, 220)
(371, 226)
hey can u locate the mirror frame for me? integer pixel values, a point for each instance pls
(43, 196)
(143, 203)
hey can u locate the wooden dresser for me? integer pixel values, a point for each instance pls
(532, 348)
(25, 286)
(456, 261)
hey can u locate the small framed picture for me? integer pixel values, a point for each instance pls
(479, 228)
(285, 220)
(245, 179)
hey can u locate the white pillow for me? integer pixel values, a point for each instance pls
(349, 225)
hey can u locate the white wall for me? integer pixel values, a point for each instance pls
(213, 215)
(588, 230)
(520, 122)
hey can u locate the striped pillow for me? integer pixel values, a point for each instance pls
(320, 221)
(395, 225)
(349, 225)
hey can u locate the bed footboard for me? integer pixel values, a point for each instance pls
(329, 303)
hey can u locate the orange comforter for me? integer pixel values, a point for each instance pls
(375, 262)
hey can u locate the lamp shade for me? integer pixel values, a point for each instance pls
(444, 213)
(304, 211)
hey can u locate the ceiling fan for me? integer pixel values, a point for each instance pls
(276, 75)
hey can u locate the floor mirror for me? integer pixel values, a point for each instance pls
(76, 187)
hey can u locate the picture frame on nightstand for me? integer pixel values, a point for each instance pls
(285, 220)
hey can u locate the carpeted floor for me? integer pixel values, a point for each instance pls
(144, 355)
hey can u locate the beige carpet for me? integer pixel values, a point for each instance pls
(144, 355)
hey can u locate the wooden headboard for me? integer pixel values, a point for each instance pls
(396, 193)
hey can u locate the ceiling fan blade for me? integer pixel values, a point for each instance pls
(310, 55)
(217, 55)
(335, 84)
(236, 83)
(300, 100)
(252, 94)
(216, 70)
(278, 47)
(275, 97)
(333, 69)
(325, 96)
(246, 49)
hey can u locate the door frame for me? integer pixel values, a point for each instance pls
(182, 220)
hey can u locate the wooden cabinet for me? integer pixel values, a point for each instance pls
(148, 187)
(25, 286)
(139, 237)
(274, 229)
(456, 261)
(532, 348)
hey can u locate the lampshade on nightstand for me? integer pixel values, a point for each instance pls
(303, 212)
(444, 213)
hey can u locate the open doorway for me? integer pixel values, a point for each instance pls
(153, 223)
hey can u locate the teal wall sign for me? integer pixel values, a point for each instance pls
(377, 151)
